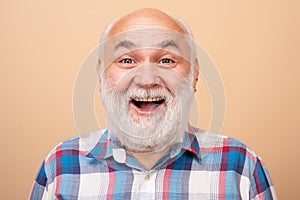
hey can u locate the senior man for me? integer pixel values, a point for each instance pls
(148, 72)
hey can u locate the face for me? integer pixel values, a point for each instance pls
(147, 88)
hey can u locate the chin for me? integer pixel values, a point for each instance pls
(155, 132)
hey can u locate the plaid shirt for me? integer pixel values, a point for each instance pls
(204, 166)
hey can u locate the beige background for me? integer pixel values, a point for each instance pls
(255, 45)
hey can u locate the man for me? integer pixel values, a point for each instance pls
(148, 72)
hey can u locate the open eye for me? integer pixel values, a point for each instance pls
(166, 61)
(127, 61)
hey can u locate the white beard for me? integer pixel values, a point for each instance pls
(155, 133)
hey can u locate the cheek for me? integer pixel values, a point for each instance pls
(119, 78)
(183, 68)
(114, 74)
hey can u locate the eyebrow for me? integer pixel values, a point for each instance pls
(126, 44)
(168, 43)
(164, 44)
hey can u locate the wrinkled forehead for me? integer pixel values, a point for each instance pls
(138, 39)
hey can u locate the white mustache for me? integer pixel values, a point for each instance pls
(144, 94)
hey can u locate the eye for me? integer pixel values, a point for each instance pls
(127, 61)
(166, 61)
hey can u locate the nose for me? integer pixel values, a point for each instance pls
(147, 76)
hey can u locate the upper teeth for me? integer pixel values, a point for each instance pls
(147, 99)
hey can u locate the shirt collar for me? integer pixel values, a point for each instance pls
(189, 143)
(109, 146)
(104, 147)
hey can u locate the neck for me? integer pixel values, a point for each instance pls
(148, 159)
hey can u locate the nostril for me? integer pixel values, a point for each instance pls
(147, 75)
(146, 81)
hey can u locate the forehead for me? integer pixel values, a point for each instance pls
(151, 38)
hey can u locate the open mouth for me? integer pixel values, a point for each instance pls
(147, 105)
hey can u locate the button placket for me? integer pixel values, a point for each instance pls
(148, 185)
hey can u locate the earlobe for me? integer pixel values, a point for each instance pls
(196, 73)
(98, 68)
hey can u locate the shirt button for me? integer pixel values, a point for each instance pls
(147, 177)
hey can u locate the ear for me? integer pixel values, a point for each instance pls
(99, 73)
(196, 73)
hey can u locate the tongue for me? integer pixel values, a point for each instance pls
(147, 106)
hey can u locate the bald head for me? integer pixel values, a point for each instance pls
(146, 18)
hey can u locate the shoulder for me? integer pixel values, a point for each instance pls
(212, 141)
(70, 153)
(78, 145)
(72, 144)
(227, 151)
